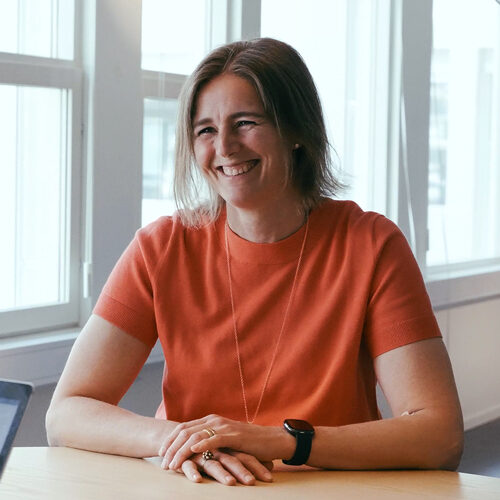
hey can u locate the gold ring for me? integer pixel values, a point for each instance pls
(209, 431)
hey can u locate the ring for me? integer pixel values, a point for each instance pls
(209, 431)
(207, 455)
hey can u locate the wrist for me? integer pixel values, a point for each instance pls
(286, 444)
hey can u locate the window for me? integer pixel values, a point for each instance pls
(348, 57)
(170, 52)
(158, 158)
(126, 158)
(464, 160)
(44, 28)
(40, 98)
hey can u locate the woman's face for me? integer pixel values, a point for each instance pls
(238, 148)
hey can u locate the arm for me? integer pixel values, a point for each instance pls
(416, 378)
(83, 412)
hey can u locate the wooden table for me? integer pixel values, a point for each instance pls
(64, 473)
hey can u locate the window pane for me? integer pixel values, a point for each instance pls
(158, 158)
(42, 28)
(34, 206)
(174, 35)
(335, 38)
(464, 167)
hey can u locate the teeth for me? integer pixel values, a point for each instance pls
(232, 171)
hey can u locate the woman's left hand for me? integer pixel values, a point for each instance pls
(263, 442)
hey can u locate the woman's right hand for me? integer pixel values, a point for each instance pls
(227, 467)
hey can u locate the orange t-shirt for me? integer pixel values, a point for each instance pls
(359, 293)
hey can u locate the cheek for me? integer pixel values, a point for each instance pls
(201, 155)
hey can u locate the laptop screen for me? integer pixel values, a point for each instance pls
(14, 397)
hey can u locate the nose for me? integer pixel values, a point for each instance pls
(226, 143)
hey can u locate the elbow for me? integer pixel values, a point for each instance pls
(451, 458)
(53, 427)
(446, 454)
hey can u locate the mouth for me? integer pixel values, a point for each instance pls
(239, 169)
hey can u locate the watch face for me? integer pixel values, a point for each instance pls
(299, 425)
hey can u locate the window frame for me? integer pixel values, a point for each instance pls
(452, 284)
(33, 71)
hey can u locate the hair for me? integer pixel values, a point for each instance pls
(290, 99)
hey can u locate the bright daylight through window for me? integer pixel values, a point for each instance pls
(39, 94)
(33, 196)
(464, 151)
(169, 49)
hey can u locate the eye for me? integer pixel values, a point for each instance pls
(242, 123)
(203, 131)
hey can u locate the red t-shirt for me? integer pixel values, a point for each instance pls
(359, 293)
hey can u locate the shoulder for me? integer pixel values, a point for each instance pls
(169, 232)
(347, 220)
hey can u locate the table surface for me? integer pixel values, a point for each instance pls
(64, 473)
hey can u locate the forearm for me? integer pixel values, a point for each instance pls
(85, 423)
(415, 441)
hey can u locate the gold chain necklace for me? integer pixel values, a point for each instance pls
(273, 359)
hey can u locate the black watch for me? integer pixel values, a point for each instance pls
(303, 432)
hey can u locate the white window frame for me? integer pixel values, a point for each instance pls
(448, 285)
(24, 70)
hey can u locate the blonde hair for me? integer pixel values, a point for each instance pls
(290, 99)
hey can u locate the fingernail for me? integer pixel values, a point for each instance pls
(229, 479)
(172, 465)
(161, 451)
(249, 479)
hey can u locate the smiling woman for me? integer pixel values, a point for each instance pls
(289, 306)
(245, 159)
(280, 94)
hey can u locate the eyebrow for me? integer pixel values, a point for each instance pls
(234, 116)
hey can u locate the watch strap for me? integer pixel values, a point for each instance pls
(303, 445)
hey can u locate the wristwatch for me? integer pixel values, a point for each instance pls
(303, 432)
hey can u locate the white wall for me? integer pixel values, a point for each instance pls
(472, 336)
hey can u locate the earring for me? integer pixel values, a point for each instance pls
(296, 146)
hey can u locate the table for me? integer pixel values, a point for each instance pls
(65, 473)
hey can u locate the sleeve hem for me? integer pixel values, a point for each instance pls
(129, 320)
(404, 333)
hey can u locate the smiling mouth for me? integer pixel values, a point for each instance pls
(240, 169)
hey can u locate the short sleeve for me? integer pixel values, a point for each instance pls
(127, 299)
(399, 310)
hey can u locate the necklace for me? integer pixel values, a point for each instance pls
(273, 359)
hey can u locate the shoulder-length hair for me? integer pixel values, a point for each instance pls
(290, 99)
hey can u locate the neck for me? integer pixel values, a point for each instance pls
(265, 226)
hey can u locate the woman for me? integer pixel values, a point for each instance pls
(271, 302)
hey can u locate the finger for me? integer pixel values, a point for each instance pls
(214, 469)
(236, 468)
(190, 470)
(226, 440)
(184, 426)
(268, 465)
(259, 470)
(181, 450)
(183, 436)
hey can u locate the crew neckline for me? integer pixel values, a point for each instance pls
(281, 251)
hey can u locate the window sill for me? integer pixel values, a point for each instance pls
(461, 287)
(40, 358)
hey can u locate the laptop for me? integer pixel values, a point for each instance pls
(14, 397)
